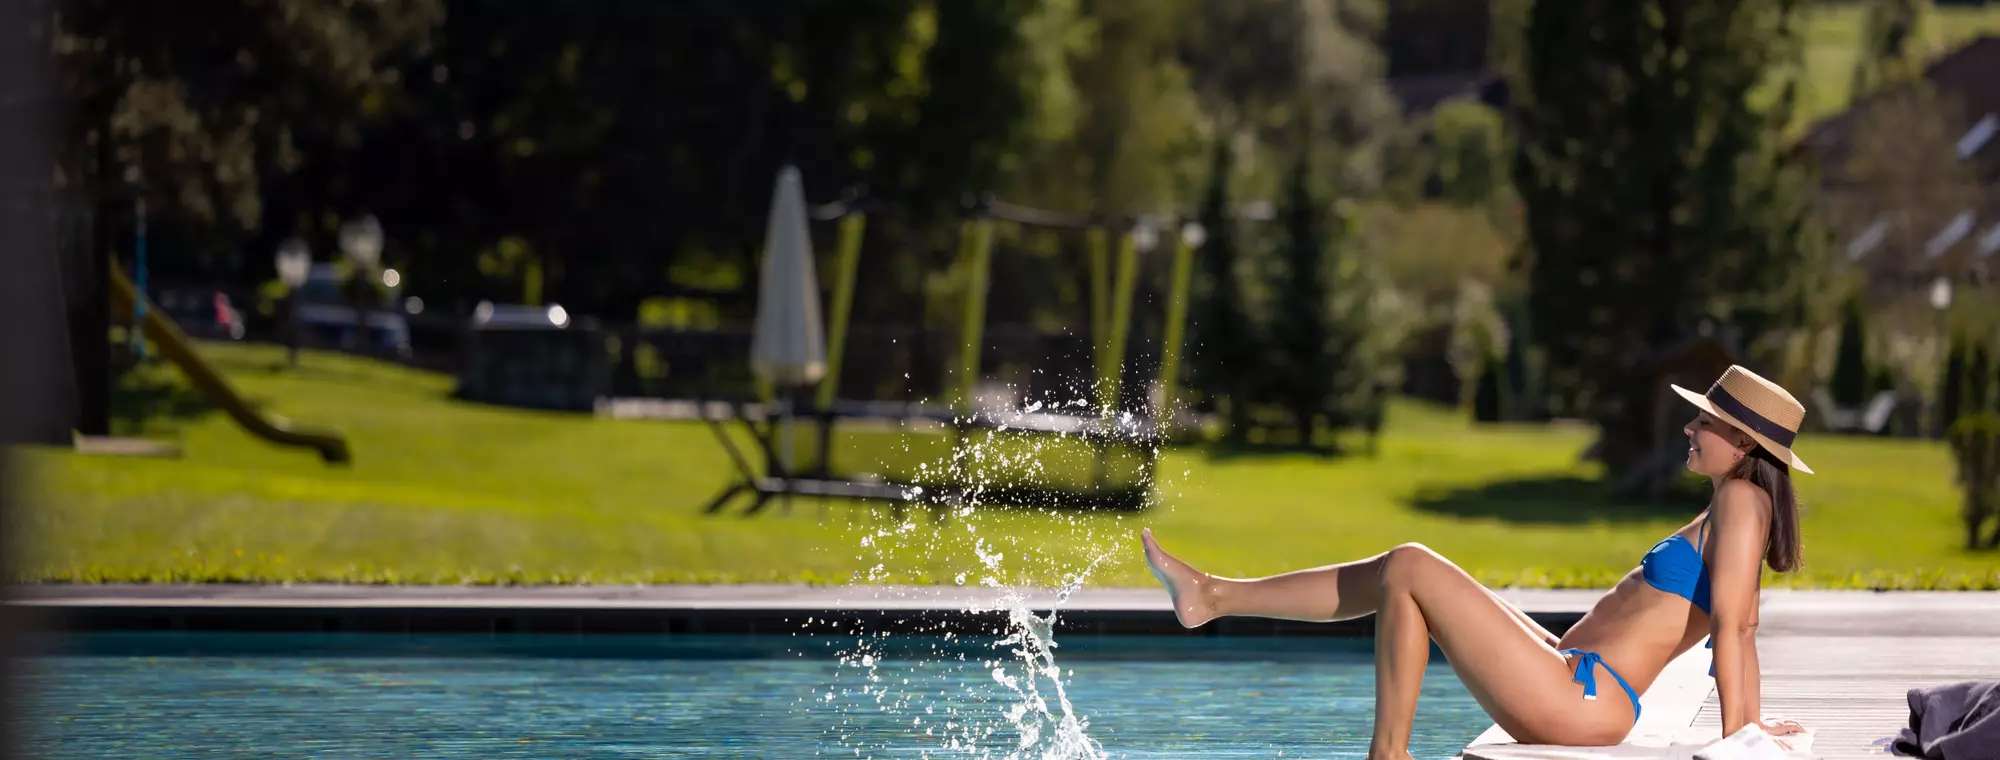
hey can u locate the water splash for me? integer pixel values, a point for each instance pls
(1007, 698)
(1044, 734)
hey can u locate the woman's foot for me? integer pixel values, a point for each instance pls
(1191, 590)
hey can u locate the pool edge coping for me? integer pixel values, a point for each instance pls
(766, 608)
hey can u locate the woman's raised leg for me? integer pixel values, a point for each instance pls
(1514, 673)
(1322, 594)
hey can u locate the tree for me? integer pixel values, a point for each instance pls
(1320, 322)
(197, 103)
(1951, 387)
(1132, 143)
(1973, 432)
(1302, 330)
(1471, 145)
(1481, 351)
(1270, 75)
(1851, 376)
(1978, 398)
(1251, 59)
(1263, 68)
(1225, 339)
(191, 108)
(625, 148)
(1975, 445)
(1656, 201)
(1886, 50)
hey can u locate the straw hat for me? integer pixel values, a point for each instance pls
(1755, 406)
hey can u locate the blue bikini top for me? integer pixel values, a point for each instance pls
(1674, 566)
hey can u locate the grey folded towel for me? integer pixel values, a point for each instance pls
(1959, 721)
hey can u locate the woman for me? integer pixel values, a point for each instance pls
(1702, 581)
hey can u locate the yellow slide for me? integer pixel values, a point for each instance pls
(172, 344)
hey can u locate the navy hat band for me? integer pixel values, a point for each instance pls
(1779, 434)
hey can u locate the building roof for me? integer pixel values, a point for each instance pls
(1935, 236)
(1970, 75)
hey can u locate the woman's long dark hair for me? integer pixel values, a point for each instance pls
(1763, 470)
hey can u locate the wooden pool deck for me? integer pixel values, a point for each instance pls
(1841, 663)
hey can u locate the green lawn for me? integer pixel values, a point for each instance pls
(1833, 43)
(449, 492)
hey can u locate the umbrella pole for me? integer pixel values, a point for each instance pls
(785, 445)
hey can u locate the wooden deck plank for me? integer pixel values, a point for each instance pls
(1851, 689)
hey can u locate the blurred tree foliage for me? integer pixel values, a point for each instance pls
(1656, 201)
(1472, 153)
(617, 156)
(197, 105)
(624, 149)
(1329, 371)
(1224, 339)
(1851, 370)
(617, 153)
(1888, 42)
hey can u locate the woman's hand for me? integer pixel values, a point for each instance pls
(1781, 727)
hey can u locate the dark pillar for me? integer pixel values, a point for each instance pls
(31, 346)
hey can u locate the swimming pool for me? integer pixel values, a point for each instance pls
(518, 696)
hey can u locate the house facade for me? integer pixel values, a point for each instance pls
(1910, 181)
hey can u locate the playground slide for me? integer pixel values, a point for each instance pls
(172, 344)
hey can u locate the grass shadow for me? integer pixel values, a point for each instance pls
(1326, 445)
(1228, 451)
(147, 397)
(312, 366)
(1556, 499)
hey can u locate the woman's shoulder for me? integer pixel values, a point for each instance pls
(1740, 497)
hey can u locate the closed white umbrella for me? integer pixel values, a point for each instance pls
(788, 345)
(788, 348)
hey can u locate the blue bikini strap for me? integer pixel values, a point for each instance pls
(1587, 664)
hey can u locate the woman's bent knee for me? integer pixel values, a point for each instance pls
(1404, 563)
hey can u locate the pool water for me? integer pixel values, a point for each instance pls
(332, 695)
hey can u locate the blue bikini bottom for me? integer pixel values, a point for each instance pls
(1586, 665)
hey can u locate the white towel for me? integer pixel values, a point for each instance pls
(1752, 743)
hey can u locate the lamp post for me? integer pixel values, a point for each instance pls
(361, 243)
(294, 265)
(1941, 306)
(1145, 236)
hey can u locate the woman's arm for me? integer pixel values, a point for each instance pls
(1753, 692)
(1741, 522)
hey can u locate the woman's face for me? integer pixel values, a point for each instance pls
(1714, 446)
